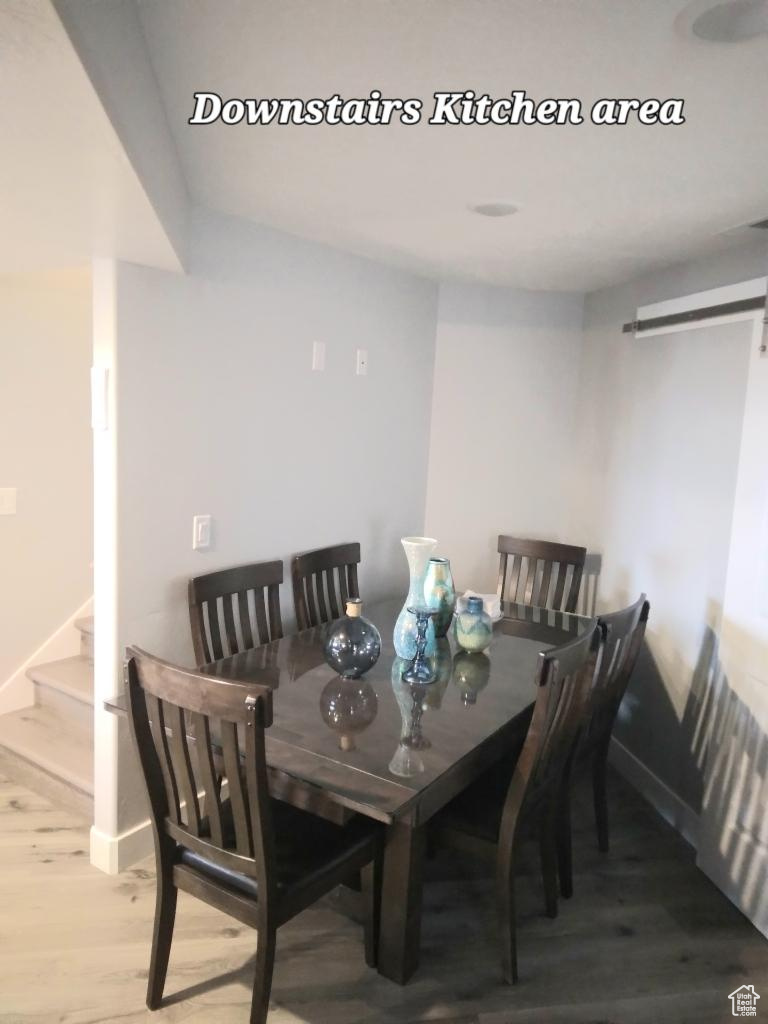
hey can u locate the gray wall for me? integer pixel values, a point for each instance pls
(660, 428)
(502, 449)
(220, 412)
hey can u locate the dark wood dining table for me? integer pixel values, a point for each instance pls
(395, 753)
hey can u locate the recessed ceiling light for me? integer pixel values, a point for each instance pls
(733, 21)
(494, 209)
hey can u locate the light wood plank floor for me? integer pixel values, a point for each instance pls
(645, 939)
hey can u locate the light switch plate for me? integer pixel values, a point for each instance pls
(318, 355)
(7, 501)
(362, 362)
(201, 533)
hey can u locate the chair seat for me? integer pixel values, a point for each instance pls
(306, 847)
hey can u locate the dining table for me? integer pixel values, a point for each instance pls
(393, 751)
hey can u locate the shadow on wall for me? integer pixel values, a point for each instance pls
(730, 749)
(590, 580)
(714, 758)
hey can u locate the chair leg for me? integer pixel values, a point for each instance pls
(599, 768)
(548, 847)
(370, 878)
(505, 899)
(564, 844)
(165, 915)
(262, 982)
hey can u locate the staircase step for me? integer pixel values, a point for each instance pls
(70, 676)
(85, 625)
(51, 757)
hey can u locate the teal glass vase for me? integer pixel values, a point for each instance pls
(417, 551)
(440, 594)
(474, 628)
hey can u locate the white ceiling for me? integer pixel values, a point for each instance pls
(597, 204)
(67, 190)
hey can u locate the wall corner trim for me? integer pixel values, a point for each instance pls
(113, 854)
(680, 815)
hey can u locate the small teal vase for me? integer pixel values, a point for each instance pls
(417, 551)
(440, 594)
(474, 628)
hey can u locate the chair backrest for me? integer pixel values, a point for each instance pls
(322, 582)
(625, 632)
(189, 731)
(541, 573)
(564, 677)
(233, 610)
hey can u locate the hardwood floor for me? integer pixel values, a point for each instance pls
(645, 939)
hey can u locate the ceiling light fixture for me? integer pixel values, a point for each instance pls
(733, 21)
(494, 209)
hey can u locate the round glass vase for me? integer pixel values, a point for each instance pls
(353, 644)
(417, 551)
(440, 593)
(473, 626)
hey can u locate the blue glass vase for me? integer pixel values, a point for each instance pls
(353, 644)
(440, 593)
(417, 551)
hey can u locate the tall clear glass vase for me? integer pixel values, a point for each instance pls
(417, 551)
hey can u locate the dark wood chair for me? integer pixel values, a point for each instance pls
(253, 857)
(322, 582)
(225, 619)
(625, 631)
(541, 573)
(510, 800)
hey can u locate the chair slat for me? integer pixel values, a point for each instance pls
(514, 578)
(311, 604)
(542, 596)
(530, 579)
(204, 751)
(322, 609)
(160, 737)
(237, 797)
(275, 616)
(260, 613)
(502, 575)
(245, 620)
(217, 649)
(174, 719)
(229, 624)
(573, 591)
(330, 586)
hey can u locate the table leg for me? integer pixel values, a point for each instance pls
(402, 879)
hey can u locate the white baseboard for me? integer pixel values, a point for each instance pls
(113, 854)
(677, 812)
(18, 691)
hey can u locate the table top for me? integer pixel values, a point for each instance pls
(378, 745)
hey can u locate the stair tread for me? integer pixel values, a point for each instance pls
(85, 625)
(38, 735)
(73, 676)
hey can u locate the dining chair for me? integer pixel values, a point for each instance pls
(541, 573)
(496, 811)
(323, 580)
(625, 631)
(246, 598)
(251, 856)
